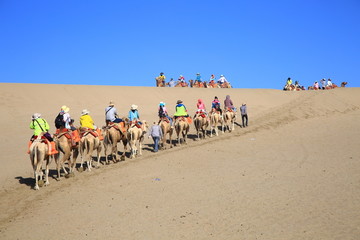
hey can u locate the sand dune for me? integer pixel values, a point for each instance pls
(294, 173)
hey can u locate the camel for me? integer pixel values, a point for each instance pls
(39, 154)
(196, 84)
(212, 84)
(159, 82)
(64, 145)
(182, 126)
(225, 85)
(167, 130)
(88, 143)
(343, 84)
(113, 135)
(215, 119)
(136, 137)
(201, 122)
(181, 84)
(229, 119)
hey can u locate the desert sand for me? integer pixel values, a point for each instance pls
(294, 173)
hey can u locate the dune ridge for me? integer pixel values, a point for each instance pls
(292, 174)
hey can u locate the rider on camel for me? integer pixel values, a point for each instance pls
(215, 105)
(228, 104)
(134, 116)
(162, 78)
(87, 123)
(40, 125)
(86, 120)
(212, 79)
(111, 114)
(201, 109)
(164, 113)
(222, 80)
(180, 110)
(198, 78)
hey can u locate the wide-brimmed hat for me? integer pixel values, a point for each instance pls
(63, 107)
(179, 101)
(244, 104)
(111, 103)
(35, 116)
(66, 110)
(134, 107)
(84, 112)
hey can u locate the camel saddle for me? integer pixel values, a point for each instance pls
(118, 126)
(63, 131)
(165, 119)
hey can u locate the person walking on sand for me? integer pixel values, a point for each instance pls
(156, 134)
(244, 115)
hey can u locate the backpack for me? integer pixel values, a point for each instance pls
(161, 112)
(59, 121)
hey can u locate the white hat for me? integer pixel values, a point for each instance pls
(35, 116)
(134, 107)
(221, 75)
(84, 112)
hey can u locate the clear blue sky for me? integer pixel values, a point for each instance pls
(255, 44)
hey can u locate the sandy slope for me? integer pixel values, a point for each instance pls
(292, 174)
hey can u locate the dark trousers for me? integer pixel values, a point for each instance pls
(244, 120)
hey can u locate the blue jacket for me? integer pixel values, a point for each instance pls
(133, 115)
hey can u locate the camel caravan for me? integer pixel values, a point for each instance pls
(323, 85)
(222, 82)
(69, 143)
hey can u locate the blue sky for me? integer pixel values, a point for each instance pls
(255, 44)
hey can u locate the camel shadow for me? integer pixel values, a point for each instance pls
(27, 181)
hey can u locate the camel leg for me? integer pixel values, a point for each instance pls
(47, 172)
(170, 133)
(36, 175)
(73, 162)
(114, 151)
(140, 147)
(123, 155)
(98, 156)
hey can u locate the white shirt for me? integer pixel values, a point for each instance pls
(67, 120)
(222, 79)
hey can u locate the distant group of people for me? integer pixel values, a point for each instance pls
(64, 122)
(322, 84)
(198, 80)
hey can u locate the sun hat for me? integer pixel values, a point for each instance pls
(179, 101)
(221, 75)
(111, 103)
(35, 116)
(63, 107)
(244, 104)
(84, 112)
(134, 107)
(67, 109)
